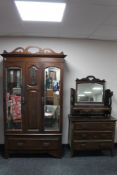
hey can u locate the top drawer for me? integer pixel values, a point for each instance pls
(93, 126)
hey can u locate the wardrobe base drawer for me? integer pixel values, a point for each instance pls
(32, 144)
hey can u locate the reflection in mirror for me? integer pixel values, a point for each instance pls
(90, 92)
(13, 98)
(51, 98)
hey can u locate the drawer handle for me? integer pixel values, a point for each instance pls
(104, 135)
(95, 136)
(83, 145)
(84, 135)
(46, 143)
(20, 143)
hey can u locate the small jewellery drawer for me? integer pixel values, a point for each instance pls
(93, 125)
(29, 144)
(93, 135)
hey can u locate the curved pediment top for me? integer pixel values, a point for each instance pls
(33, 50)
(89, 78)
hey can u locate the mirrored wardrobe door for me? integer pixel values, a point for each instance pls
(52, 99)
(13, 90)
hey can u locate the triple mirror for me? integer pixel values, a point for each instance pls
(51, 97)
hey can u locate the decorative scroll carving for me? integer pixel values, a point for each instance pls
(33, 50)
(108, 97)
(89, 79)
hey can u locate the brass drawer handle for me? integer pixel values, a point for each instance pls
(46, 144)
(83, 145)
(84, 136)
(20, 143)
(104, 135)
(95, 136)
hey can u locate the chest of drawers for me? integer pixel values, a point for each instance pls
(91, 133)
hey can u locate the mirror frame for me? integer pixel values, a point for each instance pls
(90, 79)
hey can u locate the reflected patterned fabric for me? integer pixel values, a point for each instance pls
(15, 108)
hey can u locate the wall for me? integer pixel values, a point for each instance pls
(84, 57)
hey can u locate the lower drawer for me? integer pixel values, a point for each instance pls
(97, 126)
(92, 145)
(32, 144)
(96, 135)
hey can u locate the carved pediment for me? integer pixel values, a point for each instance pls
(33, 50)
